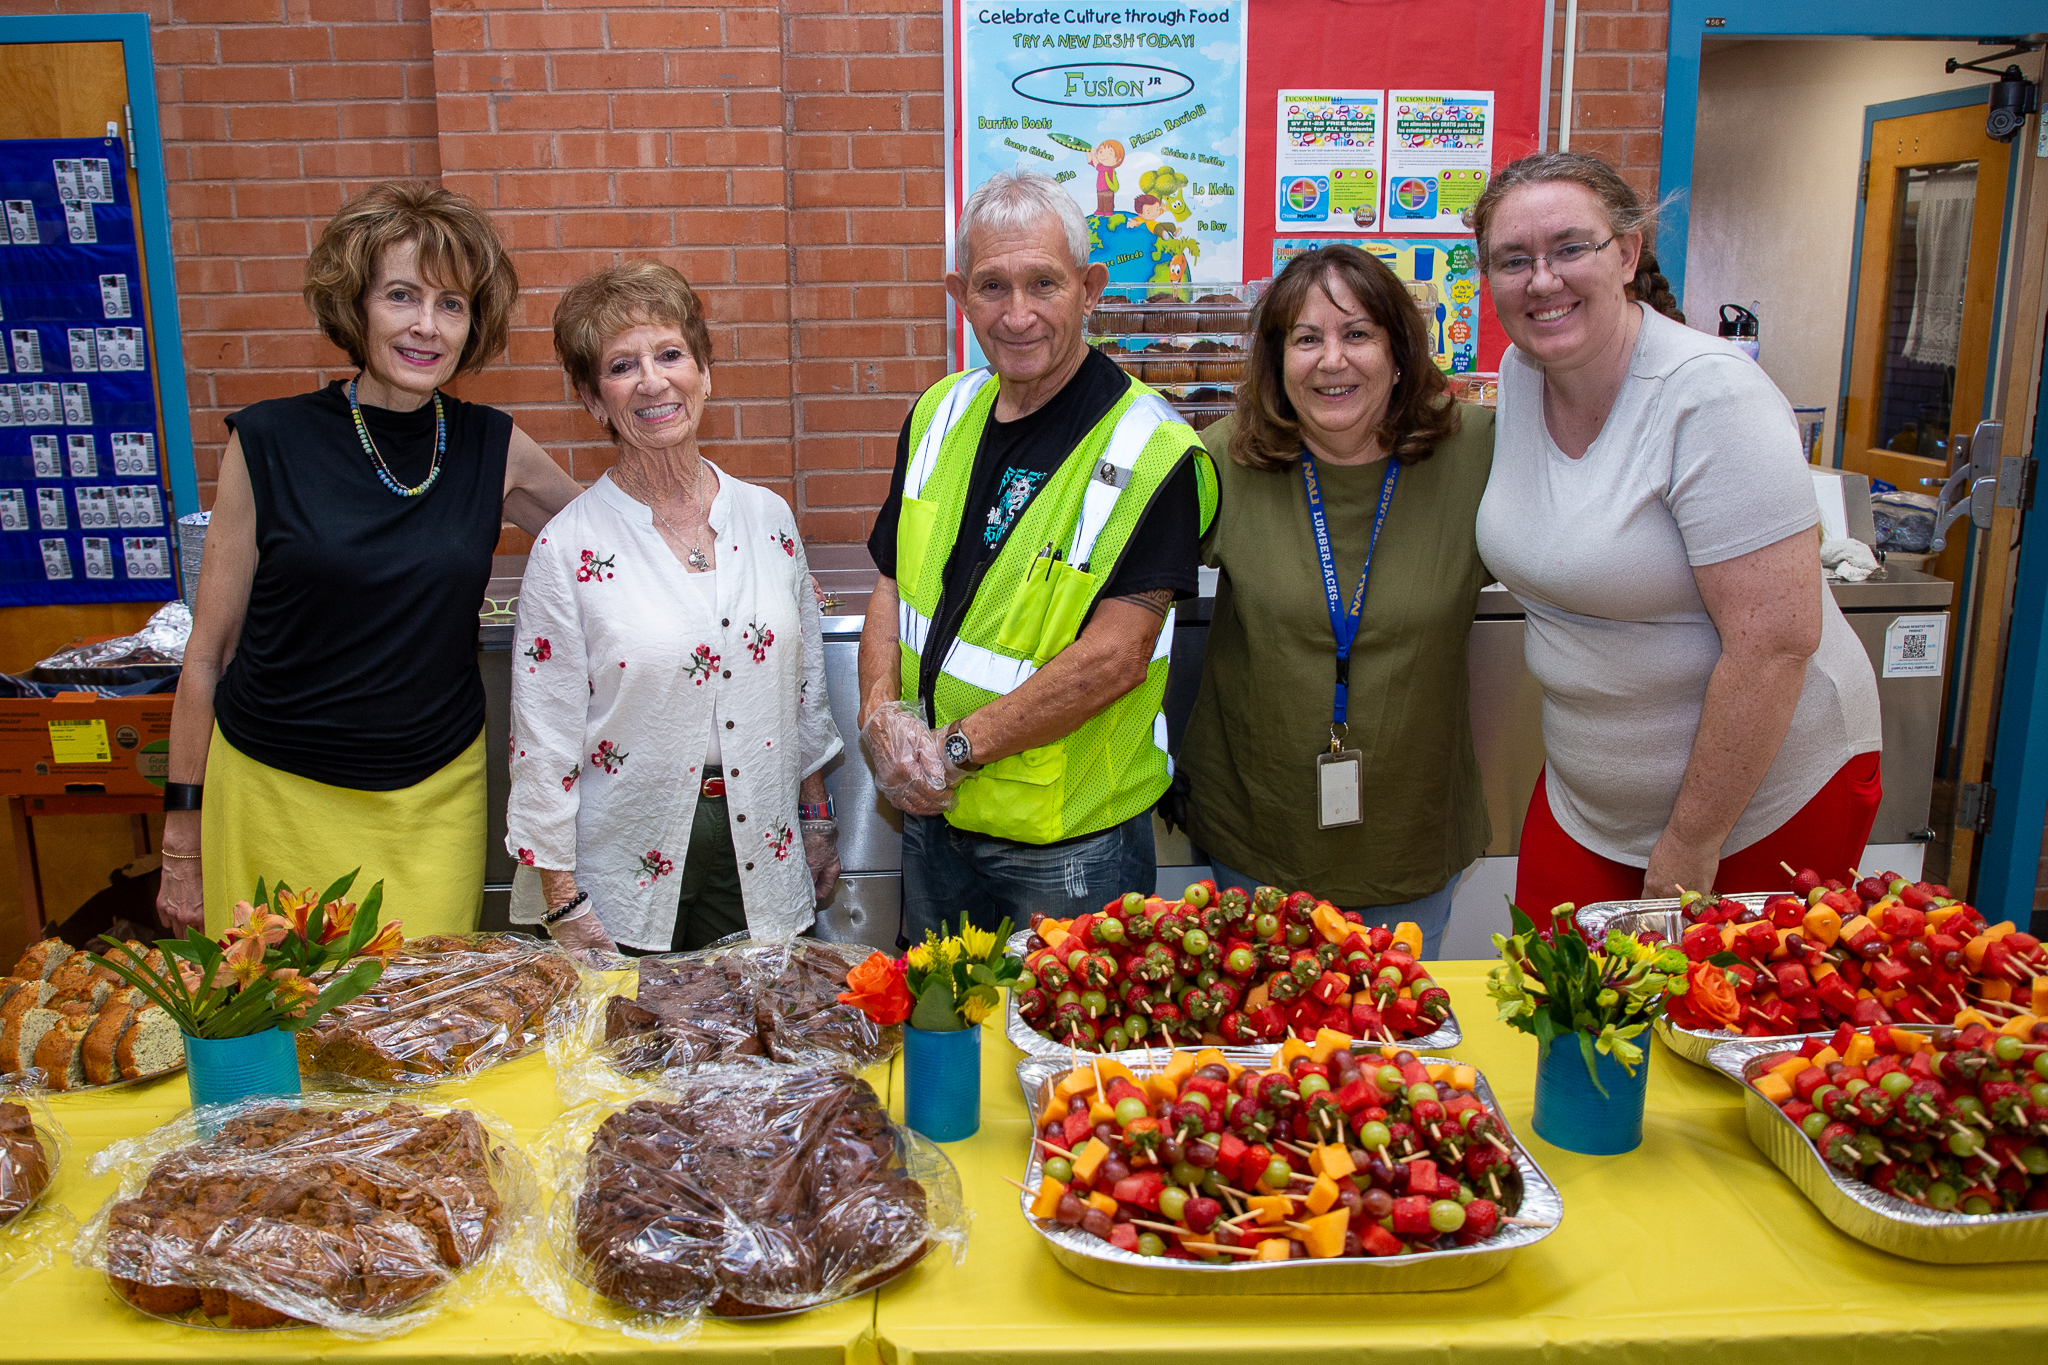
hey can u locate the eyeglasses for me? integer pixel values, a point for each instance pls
(1559, 259)
(497, 612)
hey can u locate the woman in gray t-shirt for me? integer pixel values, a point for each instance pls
(1707, 710)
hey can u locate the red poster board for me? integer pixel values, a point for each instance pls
(1497, 45)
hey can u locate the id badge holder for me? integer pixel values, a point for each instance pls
(1340, 786)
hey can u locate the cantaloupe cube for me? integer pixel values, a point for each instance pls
(1791, 1066)
(1995, 988)
(1179, 1067)
(2020, 1026)
(1408, 936)
(1464, 1078)
(1861, 1050)
(1906, 1043)
(1967, 1017)
(1325, 1235)
(1079, 1081)
(1274, 1249)
(1331, 1160)
(1100, 1111)
(1322, 1194)
(1271, 1208)
(1047, 1200)
(1104, 1202)
(1773, 1087)
(1283, 1060)
(1160, 1086)
(1334, 928)
(1826, 1055)
(2037, 996)
(1090, 1158)
(1109, 1068)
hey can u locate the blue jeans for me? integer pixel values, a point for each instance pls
(948, 871)
(1432, 913)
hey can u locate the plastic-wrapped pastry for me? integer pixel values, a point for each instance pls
(447, 1006)
(302, 1210)
(742, 1193)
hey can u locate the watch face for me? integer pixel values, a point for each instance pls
(957, 749)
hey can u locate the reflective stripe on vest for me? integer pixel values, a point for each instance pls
(1113, 471)
(952, 408)
(999, 673)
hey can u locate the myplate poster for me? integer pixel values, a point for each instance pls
(1137, 110)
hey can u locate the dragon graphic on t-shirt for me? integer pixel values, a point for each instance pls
(1013, 493)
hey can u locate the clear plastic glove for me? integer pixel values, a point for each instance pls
(821, 855)
(181, 894)
(582, 932)
(910, 769)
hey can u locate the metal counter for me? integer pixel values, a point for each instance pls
(1506, 729)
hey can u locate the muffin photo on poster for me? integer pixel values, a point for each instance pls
(1140, 114)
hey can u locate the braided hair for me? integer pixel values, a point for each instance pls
(1649, 286)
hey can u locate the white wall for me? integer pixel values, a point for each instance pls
(1776, 159)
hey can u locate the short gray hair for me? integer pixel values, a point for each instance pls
(1012, 200)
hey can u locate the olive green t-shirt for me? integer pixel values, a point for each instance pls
(1263, 713)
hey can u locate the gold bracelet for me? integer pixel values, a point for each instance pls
(168, 854)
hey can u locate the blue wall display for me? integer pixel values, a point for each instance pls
(83, 513)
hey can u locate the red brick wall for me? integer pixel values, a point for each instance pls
(1617, 85)
(786, 156)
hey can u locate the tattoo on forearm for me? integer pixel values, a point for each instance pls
(1158, 601)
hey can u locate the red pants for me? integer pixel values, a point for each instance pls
(1827, 834)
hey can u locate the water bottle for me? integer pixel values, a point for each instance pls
(1740, 329)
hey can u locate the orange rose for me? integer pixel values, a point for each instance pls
(1712, 996)
(876, 988)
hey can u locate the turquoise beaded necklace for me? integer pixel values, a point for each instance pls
(363, 434)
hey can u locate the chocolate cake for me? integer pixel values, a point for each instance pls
(24, 1164)
(749, 1197)
(446, 1006)
(286, 1210)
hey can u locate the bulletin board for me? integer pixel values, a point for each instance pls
(83, 513)
(1163, 120)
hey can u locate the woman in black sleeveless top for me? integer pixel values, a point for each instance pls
(330, 702)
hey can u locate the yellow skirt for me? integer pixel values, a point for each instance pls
(424, 842)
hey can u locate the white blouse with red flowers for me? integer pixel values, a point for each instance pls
(618, 660)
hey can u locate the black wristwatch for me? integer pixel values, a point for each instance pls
(959, 752)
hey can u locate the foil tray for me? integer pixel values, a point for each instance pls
(1666, 918)
(1868, 1214)
(1032, 1043)
(1126, 1272)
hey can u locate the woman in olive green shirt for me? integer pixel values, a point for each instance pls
(1341, 368)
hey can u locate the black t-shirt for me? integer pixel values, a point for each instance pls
(356, 664)
(1015, 461)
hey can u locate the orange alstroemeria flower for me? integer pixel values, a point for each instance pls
(293, 991)
(388, 939)
(877, 989)
(245, 960)
(1711, 995)
(340, 918)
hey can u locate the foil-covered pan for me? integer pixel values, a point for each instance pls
(1032, 1043)
(1126, 1272)
(1664, 916)
(1868, 1214)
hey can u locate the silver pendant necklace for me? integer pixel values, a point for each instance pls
(696, 559)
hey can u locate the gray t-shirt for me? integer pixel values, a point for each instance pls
(1699, 462)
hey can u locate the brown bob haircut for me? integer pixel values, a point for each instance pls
(616, 299)
(458, 249)
(1419, 411)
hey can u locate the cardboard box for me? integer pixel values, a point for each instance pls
(83, 744)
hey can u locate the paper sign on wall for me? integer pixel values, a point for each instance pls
(1913, 646)
(1327, 163)
(1439, 155)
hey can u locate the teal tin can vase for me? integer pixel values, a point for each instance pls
(942, 1082)
(225, 1070)
(1573, 1115)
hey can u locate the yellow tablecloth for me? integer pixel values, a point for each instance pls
(1691, 1248)
(67, 1313)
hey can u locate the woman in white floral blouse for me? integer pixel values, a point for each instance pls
(669, 718)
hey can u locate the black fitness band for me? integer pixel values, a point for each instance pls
(182, 795)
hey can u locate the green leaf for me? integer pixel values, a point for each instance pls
(365, 925)
(340, 888)
(935, 1011)
(262, 897)
(339, 991)
(1592, 1063)
(1522, 923)
(1725, 960)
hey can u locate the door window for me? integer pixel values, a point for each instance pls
(1923, 334)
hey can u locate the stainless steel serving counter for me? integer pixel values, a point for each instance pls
(1506, 727)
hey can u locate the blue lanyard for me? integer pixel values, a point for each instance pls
(1344, 625)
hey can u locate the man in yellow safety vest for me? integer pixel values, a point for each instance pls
(1044, 515)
